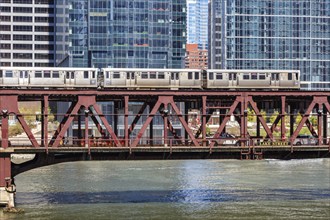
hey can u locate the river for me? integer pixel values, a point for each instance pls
(176, 189)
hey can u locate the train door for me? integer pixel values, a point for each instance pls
(1, 80)
(23, 78)
(175, 79)
(275, 80)
(232, 80)
(69, 78)
(130, 79)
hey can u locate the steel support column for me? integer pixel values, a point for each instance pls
(44, 122)
(283, 102)
(325, 126)
(126, 133)
(204, 120)
(165, 113)
(86, 127)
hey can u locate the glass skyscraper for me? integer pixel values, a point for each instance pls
(121, 33)
(268, 34)
(197, 19)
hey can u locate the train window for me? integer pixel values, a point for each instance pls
(296, 76)
(132, 75)
(56, 74)
(161, 76)
(211, 76)
(1, 73)
(246, 76)
(289, 76)
(38, 74)
(72, 75)
(9, 73)
(21, 74)
(262, 76)
(152, 75)
(46, 74)
(116, 75)
(93, 75)
(67, 75)
(189, 75)
(254, 76)
(107, 75)
(144, 75)
(128, 76)
(86, 74)
(196, 75)
(218, 76)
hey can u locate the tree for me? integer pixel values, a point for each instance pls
(251, 115)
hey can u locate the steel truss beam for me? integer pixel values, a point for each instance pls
(8, 106)
(165, 101)
(89, 104)
(318, 101)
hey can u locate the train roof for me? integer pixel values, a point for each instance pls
(47, 68)
(251, 71)
(149, 69)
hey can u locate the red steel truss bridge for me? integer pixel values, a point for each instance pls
(159, 124)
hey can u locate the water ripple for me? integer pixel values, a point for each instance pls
(171, 196)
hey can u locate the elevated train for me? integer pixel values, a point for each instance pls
(133, 78)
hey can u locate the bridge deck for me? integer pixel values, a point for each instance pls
(182, 152)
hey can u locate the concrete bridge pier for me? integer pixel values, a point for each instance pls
(7, 194)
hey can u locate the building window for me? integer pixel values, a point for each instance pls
(22, 10)
(5, 9)
(22, 46)
(5, 37)
(22, 55)
(23, 1)
(22, 19)
(22, 28)
(5, 28)
(5, 18)
(22, 37)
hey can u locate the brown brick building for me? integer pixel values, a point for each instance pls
(196, 58)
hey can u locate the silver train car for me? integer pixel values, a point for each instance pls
(152, 78)
(172, 79)
(252, 79)
(46, 77)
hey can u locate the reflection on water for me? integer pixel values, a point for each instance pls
(187, 189)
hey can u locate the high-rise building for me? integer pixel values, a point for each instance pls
(121, 33)
(197, 22)
(196, 58)
(267, 34)
(27, 33)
